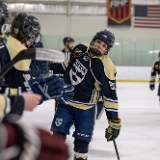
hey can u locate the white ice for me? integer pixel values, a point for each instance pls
(139, 138)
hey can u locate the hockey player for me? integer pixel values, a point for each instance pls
(8, 103)
(155, 71)
(20, 141)
(91, 73)
(25, 31)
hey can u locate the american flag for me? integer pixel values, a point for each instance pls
(147, 16)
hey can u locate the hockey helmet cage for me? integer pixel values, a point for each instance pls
(4, 13)
(26, 27)
(105, 36)
(67, 40)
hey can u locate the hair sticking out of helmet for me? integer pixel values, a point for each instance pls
(26, 27)
(4, 14)
(67, 40)
(105, 36)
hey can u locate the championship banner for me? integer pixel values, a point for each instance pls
(119, 12)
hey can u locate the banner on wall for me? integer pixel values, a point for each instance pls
(147, 16)
(119, 12)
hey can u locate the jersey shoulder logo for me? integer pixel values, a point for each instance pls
(77, 72)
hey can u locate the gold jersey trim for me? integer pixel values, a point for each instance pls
(3, 105)
(82, 106)
(111, 105)
(14, 47)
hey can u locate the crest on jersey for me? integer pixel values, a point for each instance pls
(77, 52)
(77, 72)
(58, 121)
(119, 10)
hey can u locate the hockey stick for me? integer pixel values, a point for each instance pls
(115, 146)
(34, 53)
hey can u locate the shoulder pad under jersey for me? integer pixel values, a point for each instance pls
(109, 68)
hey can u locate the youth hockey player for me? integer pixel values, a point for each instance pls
(91, 73)
(25, 31)
(8, 103)
(155, 71)
(20, 140)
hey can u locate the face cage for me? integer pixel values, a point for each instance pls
(35, 39)
(31, 36)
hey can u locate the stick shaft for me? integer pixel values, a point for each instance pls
(116, 149)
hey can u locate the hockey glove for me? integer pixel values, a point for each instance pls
(38, 67)
(113, 129)
(67, 94)
(48, 88)
(152, 87)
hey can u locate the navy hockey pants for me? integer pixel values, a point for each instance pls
(83, 121)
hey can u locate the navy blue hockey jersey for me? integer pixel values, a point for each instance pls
(91, 76)
(20, 71)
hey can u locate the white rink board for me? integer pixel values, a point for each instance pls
(133, 73)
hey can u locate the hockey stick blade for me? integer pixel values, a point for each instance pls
(49, 55)
(34, 53)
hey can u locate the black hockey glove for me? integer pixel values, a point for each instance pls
(152, 87)
(48, 88)
(113, 129)
(67, 94)
(38, 67)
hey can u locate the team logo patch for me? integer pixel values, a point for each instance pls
(77, 72)
(58, 121)
(119, 10)
(77, 52)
